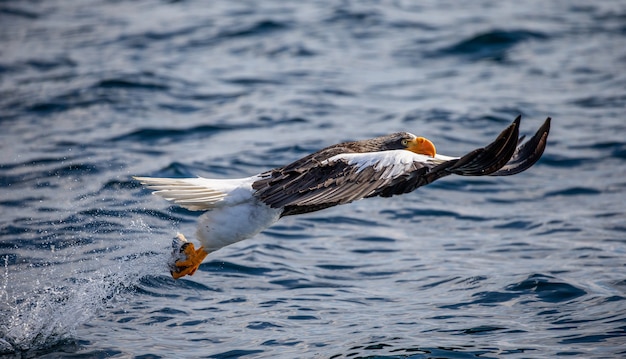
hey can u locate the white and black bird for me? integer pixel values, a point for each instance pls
(237, 209)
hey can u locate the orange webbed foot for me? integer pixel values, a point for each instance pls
(187, 258)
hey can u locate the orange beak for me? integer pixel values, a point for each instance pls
(422, 146)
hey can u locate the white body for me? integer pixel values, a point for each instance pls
(228, 224)
(233, 212)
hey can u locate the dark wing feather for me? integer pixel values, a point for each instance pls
(527, 153)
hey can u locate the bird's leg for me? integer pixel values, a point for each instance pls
(187, 259)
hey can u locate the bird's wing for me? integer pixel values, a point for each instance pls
(340, 179)
(347, 177)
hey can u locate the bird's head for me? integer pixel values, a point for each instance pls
(408, 141)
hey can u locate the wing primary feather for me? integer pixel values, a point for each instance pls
(484, 161)
(527, 153)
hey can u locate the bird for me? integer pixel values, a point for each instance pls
(385, 166)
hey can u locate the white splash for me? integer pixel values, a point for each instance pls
(53, 308)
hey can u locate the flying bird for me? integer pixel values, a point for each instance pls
(237, 209)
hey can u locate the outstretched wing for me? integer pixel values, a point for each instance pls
(340, 179)
(346, 177)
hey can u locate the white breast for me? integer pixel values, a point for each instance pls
(242, 219)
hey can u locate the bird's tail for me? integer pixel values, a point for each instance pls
(196, 194)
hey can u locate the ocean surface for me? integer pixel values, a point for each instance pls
(94, 92)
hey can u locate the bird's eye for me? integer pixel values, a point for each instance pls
(405, 142)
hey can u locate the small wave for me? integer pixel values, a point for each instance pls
(617, 101)
(574, 191)
(68, 102)
(40, 65)
(554, 160)
(236, 353)
(518, 224)
(343, 220)
(417, 213)
(614, 149)
(262, 27)
(252, 81)
(126, 83)
(213, 97)
(373, 250)
(375, 239)
(168, 135)
(547, 289)
(354, 17)
(19, 12)
(151, 36)
(42, 172)
(159, 286)
(233, 268)
(543, 287)
(483, 329)
(107, 90)
(258, 28)
(492, 44)
(300, 283)
(396, 347)
(337, 267)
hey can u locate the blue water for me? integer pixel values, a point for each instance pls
(93, 92)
